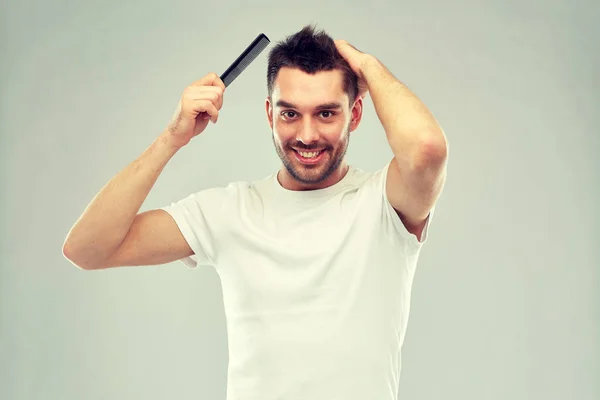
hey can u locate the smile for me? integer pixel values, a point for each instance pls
(309, 157)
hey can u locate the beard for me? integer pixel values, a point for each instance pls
(312, 174)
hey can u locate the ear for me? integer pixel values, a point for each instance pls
(269, 110)
(356, 113)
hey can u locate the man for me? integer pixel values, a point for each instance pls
(317, 260)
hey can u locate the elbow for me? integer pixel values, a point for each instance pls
(75, 258)
(431, 152)
(70, 255)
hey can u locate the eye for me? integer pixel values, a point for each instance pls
(330, 114)
(287, 114)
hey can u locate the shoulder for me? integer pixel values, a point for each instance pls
(374, 189)
(370, 182)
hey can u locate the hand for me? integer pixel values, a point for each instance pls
(356, 59)
(200, 102)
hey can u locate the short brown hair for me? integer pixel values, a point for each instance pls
(311, 51)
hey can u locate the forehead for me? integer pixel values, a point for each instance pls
(298, 87)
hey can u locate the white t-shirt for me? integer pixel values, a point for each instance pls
(316, 285)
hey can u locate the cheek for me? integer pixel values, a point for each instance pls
(284, 132)
(282, 136)
(334, 132)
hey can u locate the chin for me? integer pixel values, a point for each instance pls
(309, 174)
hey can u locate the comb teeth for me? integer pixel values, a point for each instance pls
(242, 62)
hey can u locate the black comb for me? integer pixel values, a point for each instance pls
(240, 64)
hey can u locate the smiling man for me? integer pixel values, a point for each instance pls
(309, 116)
(317, 260)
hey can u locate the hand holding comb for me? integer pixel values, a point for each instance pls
(242, 62)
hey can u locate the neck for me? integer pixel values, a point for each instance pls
(288, 182)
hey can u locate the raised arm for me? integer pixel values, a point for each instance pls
(111, 232)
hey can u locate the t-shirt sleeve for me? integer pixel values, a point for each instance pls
(391, 221)
(199, 218)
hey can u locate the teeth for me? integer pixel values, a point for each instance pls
(309, 155)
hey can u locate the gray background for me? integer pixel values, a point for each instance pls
(505, 302)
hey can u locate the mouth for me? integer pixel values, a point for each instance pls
(309, 157)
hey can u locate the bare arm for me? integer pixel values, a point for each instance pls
(417, 173)
(110, 232)
(107, 220)
(153, 239)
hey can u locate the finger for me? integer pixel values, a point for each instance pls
(344, 46)
(213, 93)
(340, 43)
(209, 109)
(218, 82)
(206, 80)
(210, 79)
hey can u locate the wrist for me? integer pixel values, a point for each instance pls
(167, 141)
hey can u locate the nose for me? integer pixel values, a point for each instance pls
(308, 133)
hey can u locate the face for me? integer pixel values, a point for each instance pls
(311, 119)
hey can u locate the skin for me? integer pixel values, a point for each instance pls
(297, 122)
(417, 172)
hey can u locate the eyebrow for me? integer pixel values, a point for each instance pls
(324, 106)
